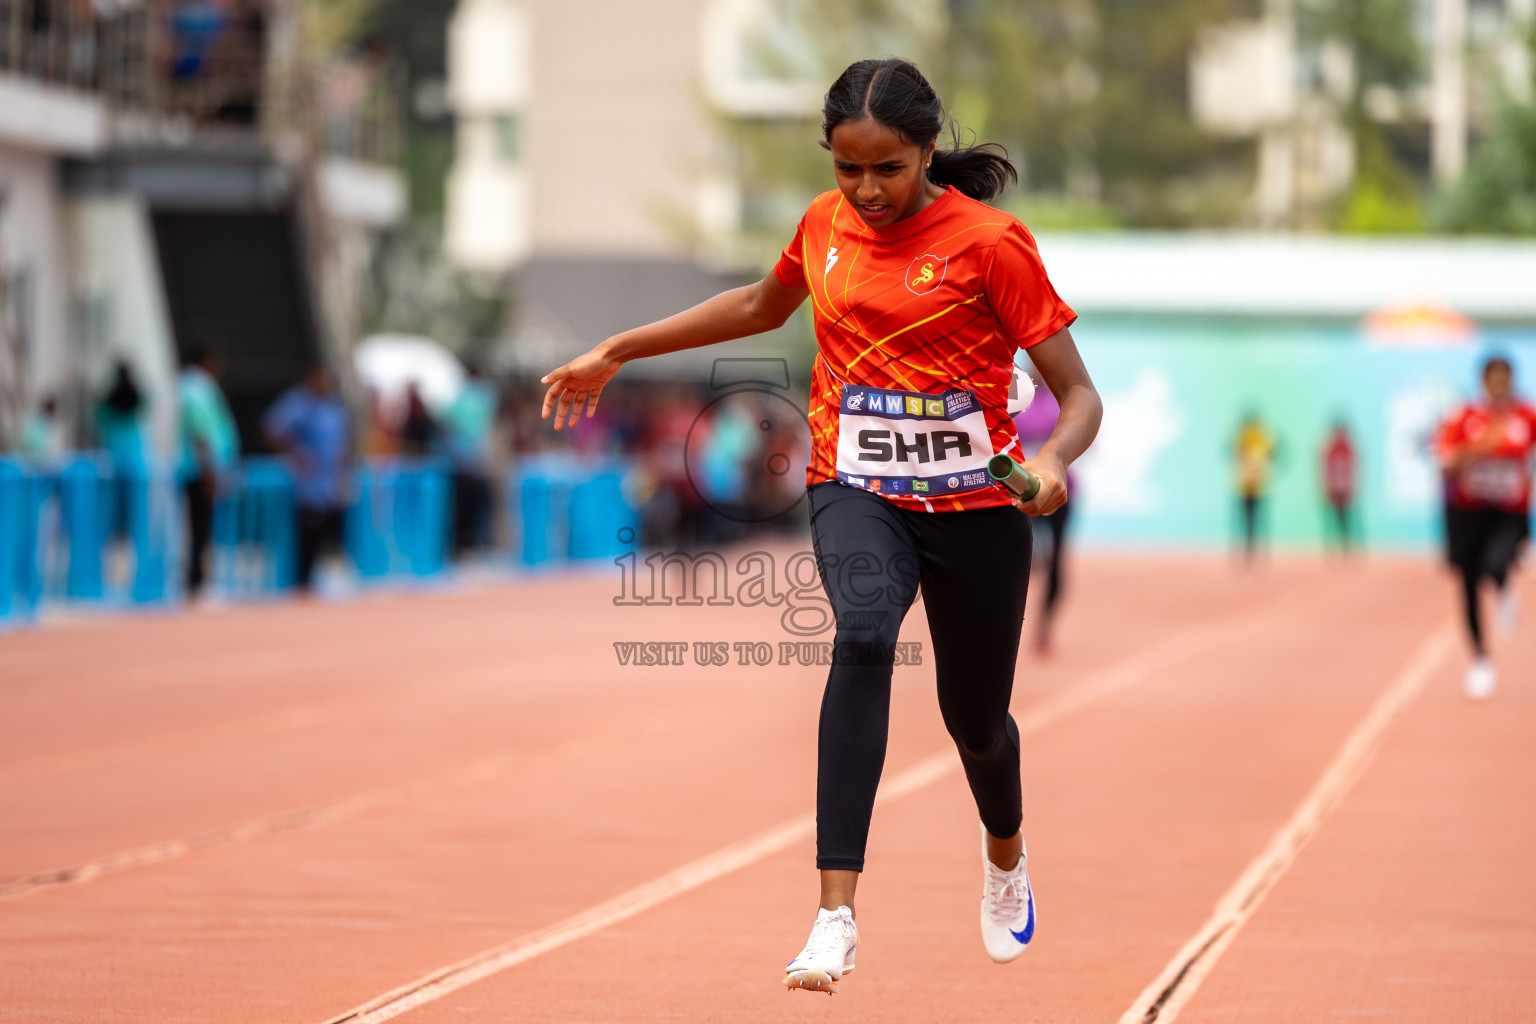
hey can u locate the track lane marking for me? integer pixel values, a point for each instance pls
(727, 860)
(1176, 984)
(475, 773)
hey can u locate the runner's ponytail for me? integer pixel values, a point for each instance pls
(895, 93)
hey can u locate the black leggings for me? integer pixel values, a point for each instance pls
(973, 570)
(1483, 542)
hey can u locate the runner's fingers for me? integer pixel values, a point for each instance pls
(555, 390)
(576, 404)
(1051, 496)
(592, 397)
(561, 407)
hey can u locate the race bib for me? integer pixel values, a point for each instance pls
(903, 442)
(1495, 481)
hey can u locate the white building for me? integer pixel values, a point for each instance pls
(1254, 79)
(589, 157)
(148, 212)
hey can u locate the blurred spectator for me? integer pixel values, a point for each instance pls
(42, 432)
(119, 422)
(1339, 485)
(119, 418)
(309, 424)
(673, 512)
(1035, 424)
(419, 431)
(210, 444)
(195, 27)
(1255, 452)
(379, 441)
(468, 421)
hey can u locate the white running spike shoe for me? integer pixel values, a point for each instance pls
(1481, 679)
(828, 953)
(1007, 906)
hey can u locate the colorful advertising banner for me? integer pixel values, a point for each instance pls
(1164, 470)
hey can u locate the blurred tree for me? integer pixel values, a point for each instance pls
(1089, 97)
(419, 292)
(1496, 194)
(1383, 57)
(413, 32)
(415, 289)
(1093, 95)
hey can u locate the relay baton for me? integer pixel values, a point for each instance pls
(1019, 481)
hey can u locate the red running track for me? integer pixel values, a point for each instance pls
(286, 813)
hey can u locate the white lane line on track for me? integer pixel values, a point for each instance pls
(304, 817)
(1119, 676)
(1162, 1000)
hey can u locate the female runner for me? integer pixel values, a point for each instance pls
(1485, 451)
(922, 294)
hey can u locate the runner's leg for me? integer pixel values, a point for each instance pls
(866, 554)
(975, 578)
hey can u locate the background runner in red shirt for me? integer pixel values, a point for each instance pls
(1485, 450)
(1339, 469)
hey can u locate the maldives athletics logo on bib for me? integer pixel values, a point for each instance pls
(926, 273)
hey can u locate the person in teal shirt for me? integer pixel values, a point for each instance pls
(210, 444)
(468, 421)
(120, 420)
(119, 423)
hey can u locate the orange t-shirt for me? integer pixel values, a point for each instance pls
(917, 325)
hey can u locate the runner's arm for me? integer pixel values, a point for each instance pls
(750, 309)
(1062, 369)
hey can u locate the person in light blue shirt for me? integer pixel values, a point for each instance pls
(119, 422)
(310, 425)
(120, 419)
(210, 446)
(468, 421)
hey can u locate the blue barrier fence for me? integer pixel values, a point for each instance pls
(255, 542)
(399, 520)
(84, 531)
(564, 509)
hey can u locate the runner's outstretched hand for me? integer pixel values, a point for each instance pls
(577, 385)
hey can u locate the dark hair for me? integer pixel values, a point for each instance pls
(123, 397)
(1497, 363)
(894, 93)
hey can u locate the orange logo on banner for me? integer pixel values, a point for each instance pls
(926, 273)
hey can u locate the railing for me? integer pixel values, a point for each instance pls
(50, 41)
(210, 65)
(85, 533)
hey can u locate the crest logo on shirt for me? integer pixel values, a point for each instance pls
(926, 273)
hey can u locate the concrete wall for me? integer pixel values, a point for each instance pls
(619, 140)
(32, 243)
